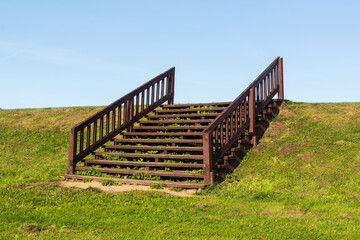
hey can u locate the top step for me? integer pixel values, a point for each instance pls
(186, 105)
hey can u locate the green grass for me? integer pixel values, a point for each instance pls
(301, 182)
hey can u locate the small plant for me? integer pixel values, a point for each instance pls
(85, 180)
(152, 152)
(167, 169)
(195, 171)
(176, 189)
(158, 186)
(110, 183)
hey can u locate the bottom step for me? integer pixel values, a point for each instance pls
(137, 182)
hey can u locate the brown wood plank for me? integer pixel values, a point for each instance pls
(195, 115)
(165, 121)
(153, 156)
(158, 148)
(125, 140)
(169, 127)
(162, 134)
(182, 105)
(144, 164)
(152, 173)
(181, 110)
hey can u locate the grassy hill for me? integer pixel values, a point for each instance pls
(301, 182)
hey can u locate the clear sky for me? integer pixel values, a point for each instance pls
(90, 53)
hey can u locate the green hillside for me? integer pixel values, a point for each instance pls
(301, 182)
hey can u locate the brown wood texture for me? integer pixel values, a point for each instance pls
(110, 126)
(224, 132)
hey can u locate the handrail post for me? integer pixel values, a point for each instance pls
(208, 158)
(170, 88)
(132, 110)
(281, 79)
(252, 115)
(72, 150)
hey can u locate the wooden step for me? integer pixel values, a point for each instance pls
(179, 184)
(189, 110)
(165, 121)
(185, 105)
(152, 156)
(195, 115)
(157, 141)
(164, 134)
(170, 127)
(161, 173)
(143, 164)
(152, 148)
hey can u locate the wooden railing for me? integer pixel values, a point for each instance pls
(92, 133)
(240, 116)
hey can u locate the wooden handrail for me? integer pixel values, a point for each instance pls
(95, 131)
(240, 115)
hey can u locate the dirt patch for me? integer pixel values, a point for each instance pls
(30, 227)
(274, 131)
(304, 156)
(126, 187)
(287, 148)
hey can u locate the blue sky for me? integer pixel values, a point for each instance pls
(90, 53)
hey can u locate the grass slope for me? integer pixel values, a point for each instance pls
(301, 182)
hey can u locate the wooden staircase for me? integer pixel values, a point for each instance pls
(140, 140)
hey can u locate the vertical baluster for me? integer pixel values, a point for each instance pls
(246, 109)
(147, 97)
(227, 129)
(88, 134)
(131, 110)
(119, 115)
(157, 90)
(101, 134)
(94, 132)
(129, 105)
(274, 78)
(269, 84)
(271, 81)
(264, 89)
(152, 94)
(81, 140)
(162, 87)
(107, 123)
(137, 104)
(241, 115)
(232, 123)
(125, 117)
(216, 139)
(252, 115)
(258, 93)
(236, 118)
(142, 100)
(221, 134)
(113, 119)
